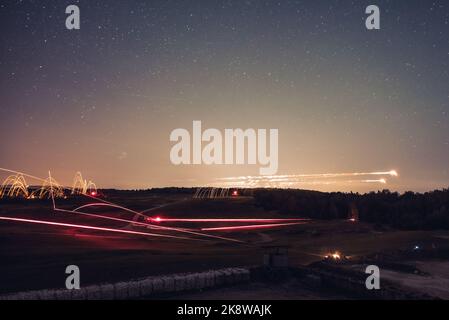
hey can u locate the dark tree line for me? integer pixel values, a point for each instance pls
(409, 210)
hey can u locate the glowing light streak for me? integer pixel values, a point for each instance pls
(109, 205)
(14, 186)
(382, 181)
(392, 173)
(106, 203)
(295, 183)
(49, 186)
(78, 180)
(113, 205)
(19, 186)
(78, 226)
(151, 226)
(213, 193)
(104, 217)
(22, 173)
(199, 220)
(296, 180)
(81, 186)
(253, 226)
(335, 256)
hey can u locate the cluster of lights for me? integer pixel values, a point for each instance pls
(215, 193)
(295, 180)
(82, 186)
(15, 186)
(336, 256)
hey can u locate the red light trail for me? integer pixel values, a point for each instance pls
(149, 225)
(253, 226)
(199, 220)
(104, 217)
(78, 226)
(104, 203)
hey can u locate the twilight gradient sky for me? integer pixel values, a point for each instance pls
(103, 100)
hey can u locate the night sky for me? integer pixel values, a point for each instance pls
(103, 99)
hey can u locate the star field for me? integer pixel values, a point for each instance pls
(104, 99)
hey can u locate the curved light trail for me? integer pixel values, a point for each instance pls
(105, 203)
(152, 226)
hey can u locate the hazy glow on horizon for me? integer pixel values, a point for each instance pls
(103, 100)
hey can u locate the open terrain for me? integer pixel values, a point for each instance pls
(35, 256)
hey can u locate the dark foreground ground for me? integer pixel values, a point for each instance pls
(35, 256)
